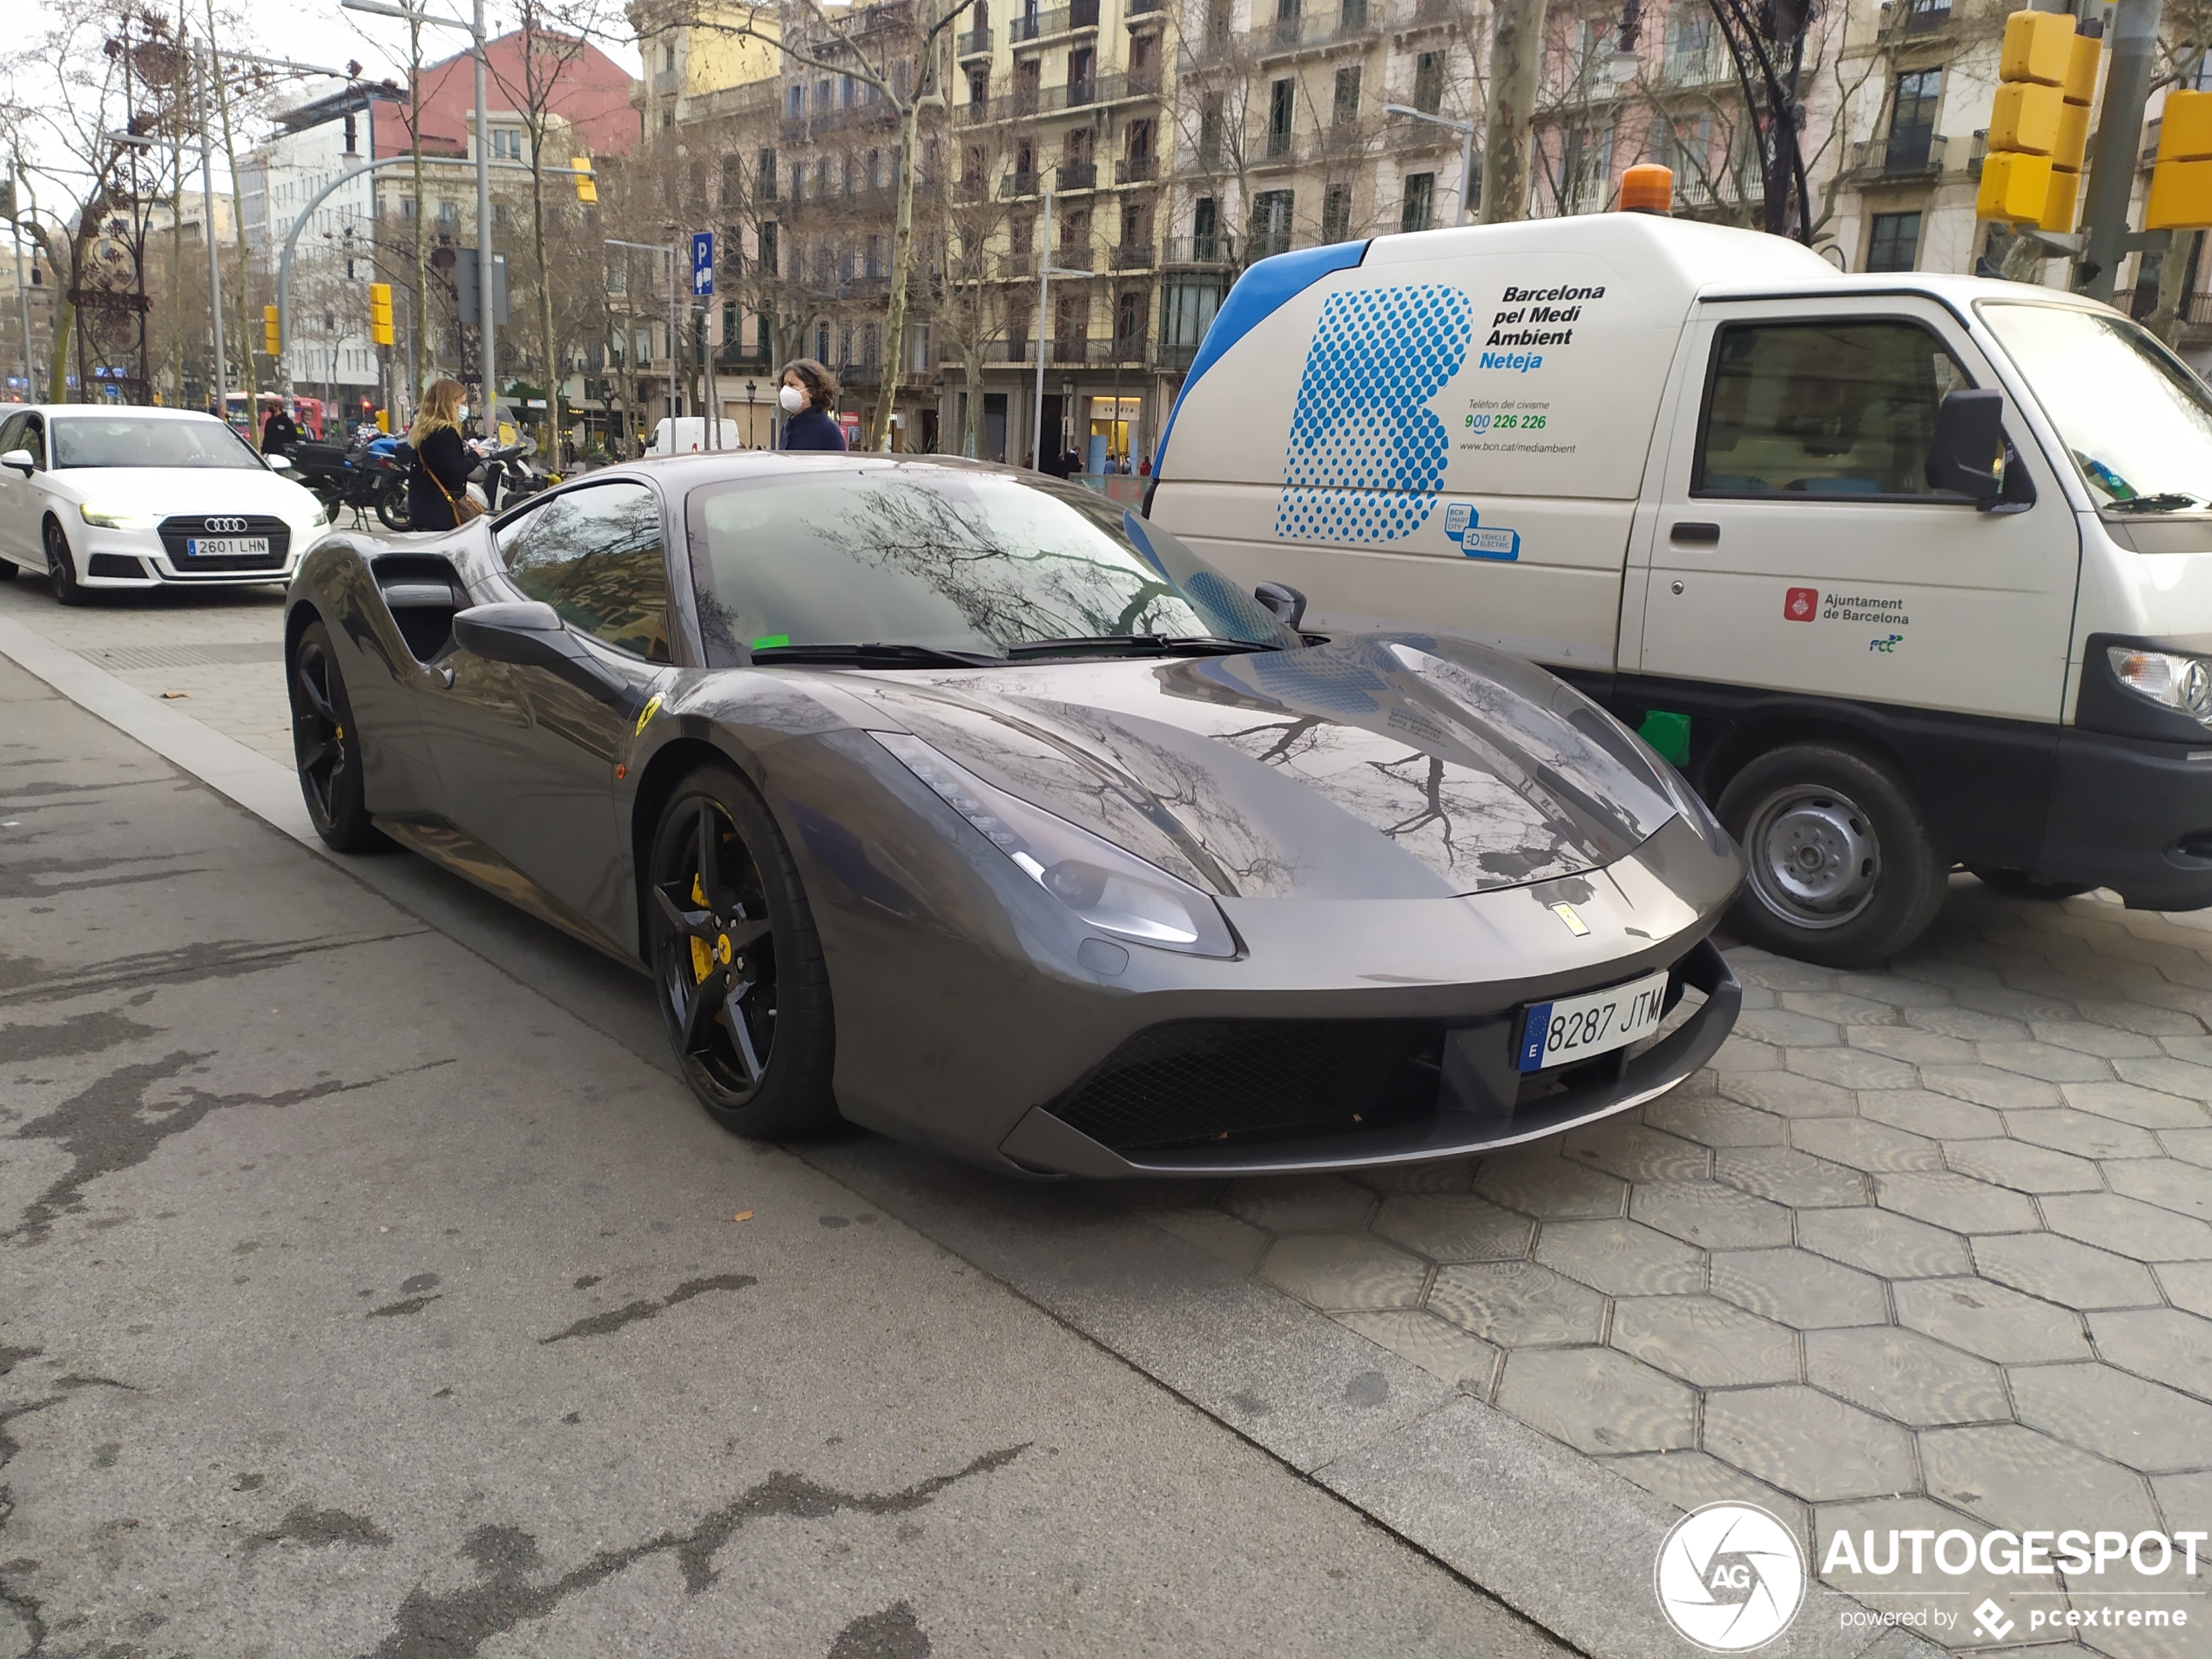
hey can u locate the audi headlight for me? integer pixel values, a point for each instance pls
(1108, 887)
(115, 518)
(319, 517)
(2165, 677)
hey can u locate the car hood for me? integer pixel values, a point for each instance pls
(1393, 766)
(165, 491)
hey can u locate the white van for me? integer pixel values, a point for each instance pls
(684, 434)
(1696, 472)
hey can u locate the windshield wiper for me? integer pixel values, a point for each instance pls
(2172, 501)
(1136, 645)
(874, 654)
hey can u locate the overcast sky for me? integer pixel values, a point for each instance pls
(317, 31)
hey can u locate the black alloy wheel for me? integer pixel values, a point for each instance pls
(61, 568)
(738, 963)
(327, 746)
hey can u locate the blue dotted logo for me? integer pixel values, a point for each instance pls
(1366, 462)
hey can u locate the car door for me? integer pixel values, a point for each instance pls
(1799, 549)
(19, 524)
(526, 758)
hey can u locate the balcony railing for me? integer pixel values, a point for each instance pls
(1350, 20)
(1218, 249)
(1278, 145)
(1137, 9)
(973, 43)
(666, 80)
(1925, 17)
(1133, 256)
(1075, 256)
(1265, 244)
(1076, 175)
(1910, 155)
(1709, 65)
(1061, 20)
(1136, 170)
(1020, 184)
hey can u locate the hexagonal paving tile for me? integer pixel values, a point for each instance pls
(1740, 1055)
(1808, 1443)
(1987, 1318)
(1986, 1086)
(1516, 1305)
(2186, 1499)
(1537, 1180)
(2131, 1104)
(1786, 1029)
(1798, 1288)
(2012, 1476)
(1343, 1270)
(1692, 1480)
(2144, 1231)
(2182, 1188)
(2022, 1167)
(2065, 1129)
(1636, 1152)
(1875, 1530)
(2064, 1270)
(1454, 1228)
(2189, 1284)
(2164, 1344)
(1443, 1351)
(1301, 1204)
(1713, 1121)
(1707, 1213)
(2143, 1425)
(2182, 1077)
(1971, 1025)
(1755, 966)
(1455, 1175)
(2052, 1064)
(1944, 1199)
(1839, 1008)
(1853, 1068)
(1598, 1399)
(1863, 1145)
(2091, 1038)
(1906, 1376)
(1704, 1340)
(1922, 1111)
(1883, 1242)
(2190, 1145)
(1620, 1258)
(1914, 1048)
(1787, 1095)
(1789, 1177)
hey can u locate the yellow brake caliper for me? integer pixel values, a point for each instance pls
(702, 955)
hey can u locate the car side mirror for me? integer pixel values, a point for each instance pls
(1966, 456)
(22, 459)
(278, 463)
(530, 634)
(1286, 604)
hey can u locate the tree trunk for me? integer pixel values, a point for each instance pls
(902, 240)
(420, 321)
(1508, 136)
(245, 337)
(2173, 284)
(548, 448)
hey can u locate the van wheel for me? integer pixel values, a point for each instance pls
(2018, 884)
(1842, 870)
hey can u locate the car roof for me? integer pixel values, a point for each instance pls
(72, 411)
(693, 469)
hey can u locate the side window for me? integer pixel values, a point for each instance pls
(594, 555)
(11, 433)
(34, 439)
(1822, 408)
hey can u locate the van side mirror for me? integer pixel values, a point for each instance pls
(529, 634)
(1286, 604)
(1966, 457)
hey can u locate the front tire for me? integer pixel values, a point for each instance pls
(61, 568)
(392, 510)
(326, 746)
(737, 962)
(1843, 872)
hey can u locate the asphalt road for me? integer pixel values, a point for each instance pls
(356, 1298)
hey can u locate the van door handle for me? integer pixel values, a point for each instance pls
(1696, 533)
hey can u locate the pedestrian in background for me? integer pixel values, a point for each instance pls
(809, 392)
(280, 432)
(439, 483)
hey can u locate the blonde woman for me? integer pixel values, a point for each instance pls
(443, 463)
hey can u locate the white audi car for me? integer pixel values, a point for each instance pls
(101, 496)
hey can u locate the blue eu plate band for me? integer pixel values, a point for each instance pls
(1532, 1036)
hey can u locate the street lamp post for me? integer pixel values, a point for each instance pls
(486, 354)
(752, 421)
(1466, 130)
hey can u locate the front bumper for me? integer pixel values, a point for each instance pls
(134, 558)
(2132, 814)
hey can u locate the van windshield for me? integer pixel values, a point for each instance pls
(2138, 424)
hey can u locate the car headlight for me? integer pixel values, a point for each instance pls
(2165, 677)
(115, 518)
(319, 517)
(1110, 888)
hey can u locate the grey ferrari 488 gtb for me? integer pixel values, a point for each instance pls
(967, 805)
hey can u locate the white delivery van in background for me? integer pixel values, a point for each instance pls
(1696, 472)
(684, 434)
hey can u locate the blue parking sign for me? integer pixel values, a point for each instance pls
(702, 262)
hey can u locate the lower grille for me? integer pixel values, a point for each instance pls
(175, 532)
(1194, 1080)
(113, 564)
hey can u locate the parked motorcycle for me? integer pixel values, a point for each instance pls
(359, 480)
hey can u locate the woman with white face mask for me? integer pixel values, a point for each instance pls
(809, 393)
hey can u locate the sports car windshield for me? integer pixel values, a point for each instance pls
(946, 559)
(134, 441)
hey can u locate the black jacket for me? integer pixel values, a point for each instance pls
(444, 453)
(278, 433)
(811, 429)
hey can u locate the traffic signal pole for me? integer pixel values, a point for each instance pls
(2132, 36)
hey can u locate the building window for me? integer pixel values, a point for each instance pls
(767, 175)
(795, 101)
(1336, 214)
(1894, 242)
(1272, 210)
(506, 144)
(770, 266)
(1428, 81)
(1282, 97)
(1418, 209)
(668, 58)
(1212, 126)
(1346, 108)
(1205, 229)
(1912, 115)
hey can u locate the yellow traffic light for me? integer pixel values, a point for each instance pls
(587, 187)
(380, 313)
(2015, 188)
(2081, 70)
(2038, 124)
(2181, 182)
(2025, 117)
(2038, 47)
(272, 340)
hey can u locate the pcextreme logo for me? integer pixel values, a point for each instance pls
(1730, 1577)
